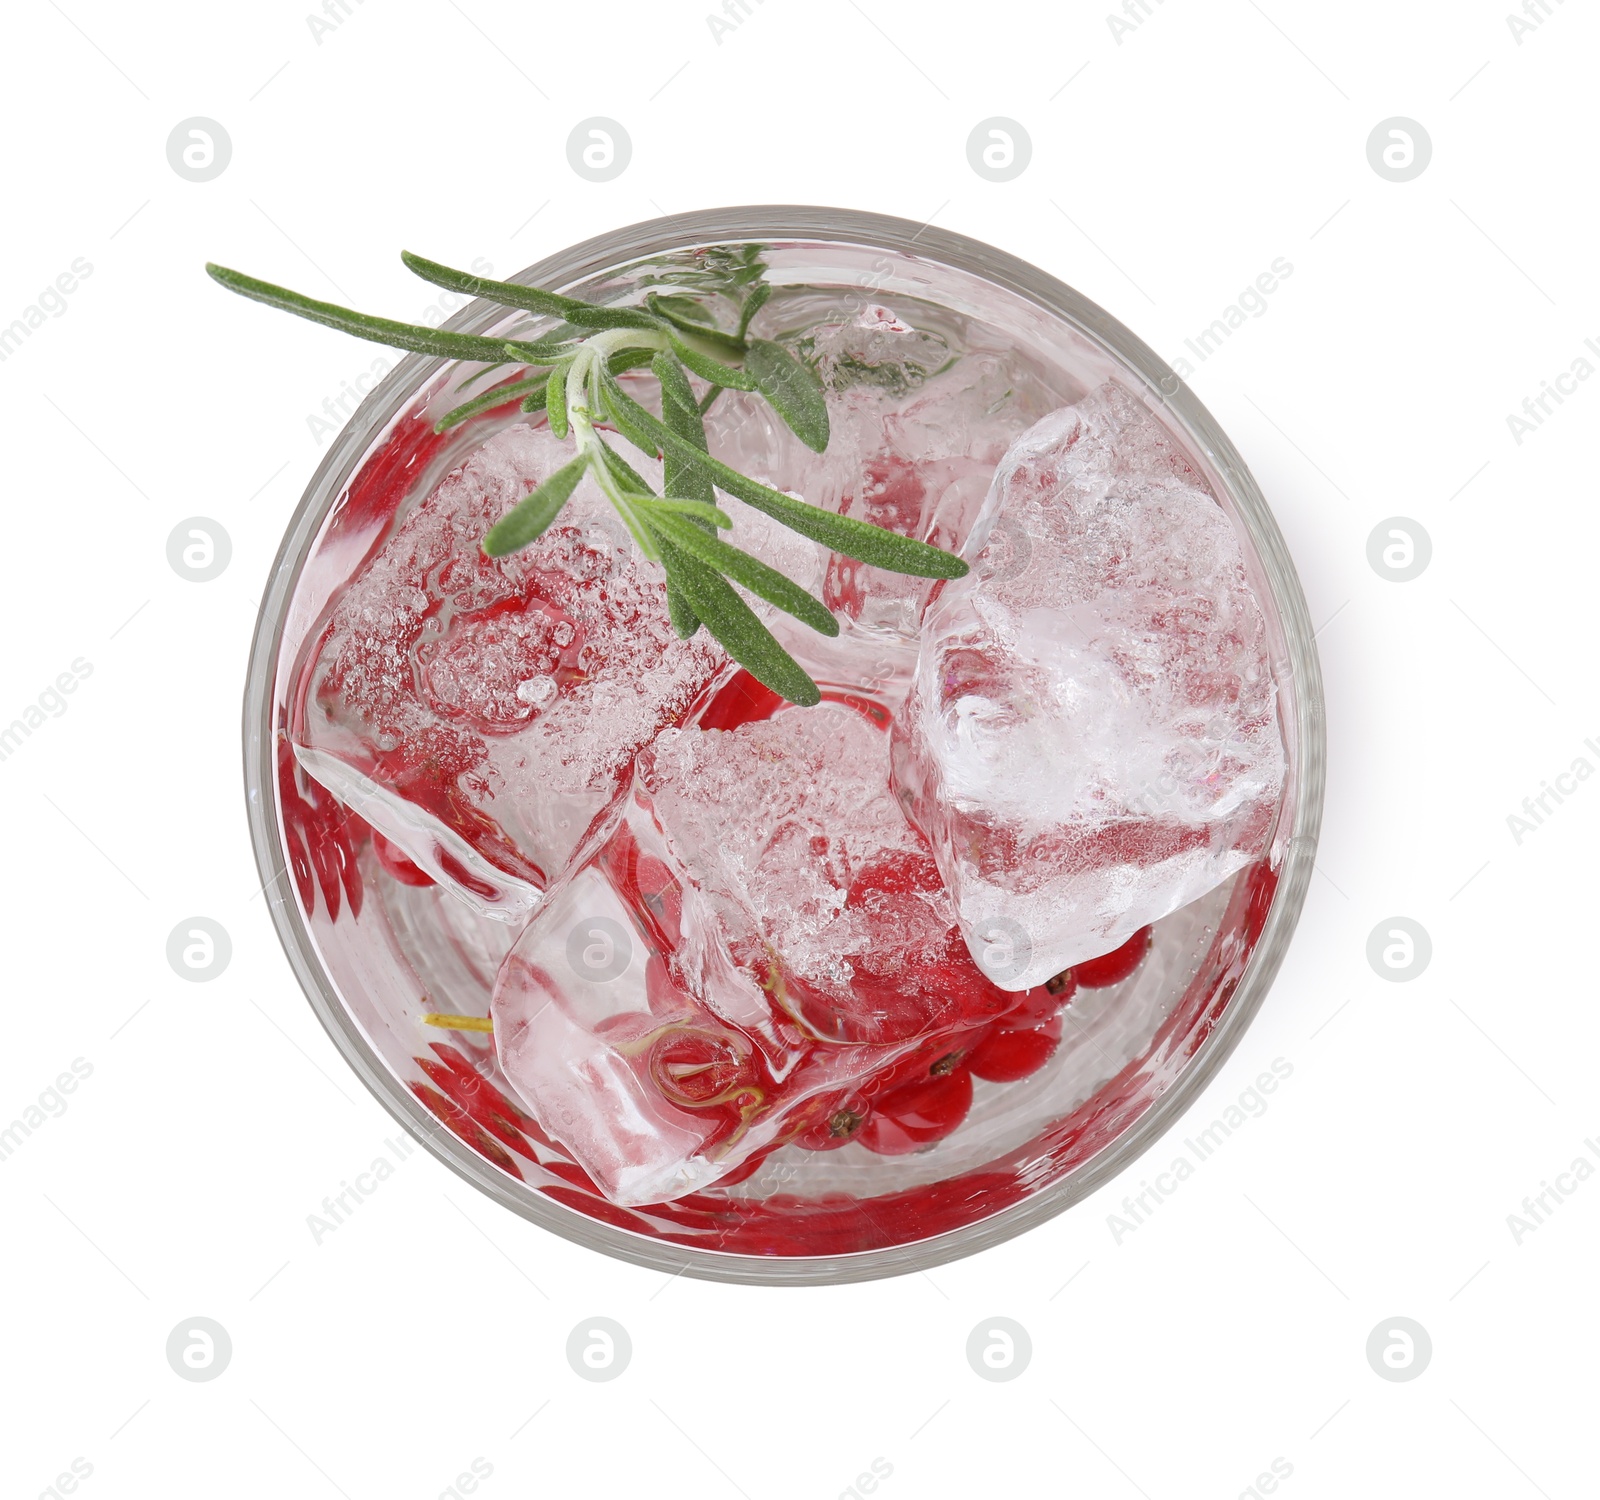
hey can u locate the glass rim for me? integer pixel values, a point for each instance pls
(612, 251)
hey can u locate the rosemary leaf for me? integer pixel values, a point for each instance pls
(411, 336)
(532, 516)
(499, 396)
(745, 570)
(618, 409)
(701, 328)
(511, 294)
(684, 620)
(792, 390)
(704, 516)
(858, 539)
(680, 612)
(675, 387)
(629, 359)
(680, 412)
(753, 304)
(536, 387)
(710, 369)
(555, 400)
(626, 475)
(477, 375)
(568, 332)
(677, 308)
(732, 622)
(874, 545)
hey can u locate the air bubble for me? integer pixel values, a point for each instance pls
(539, 692)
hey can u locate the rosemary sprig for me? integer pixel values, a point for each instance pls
(412, 336)
(571, 374)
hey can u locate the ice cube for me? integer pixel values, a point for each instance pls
(760, 932)
(876, 347)
(1092, 739)
(580, 1006)
(918, 422)
(802, 871)
(654, 1093)
(481, 712)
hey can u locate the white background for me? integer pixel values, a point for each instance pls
(1169, 169)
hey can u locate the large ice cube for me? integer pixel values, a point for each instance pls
(654, 1093)
(481, 712)
(1092, 739)
(760, 931)
(806, 876)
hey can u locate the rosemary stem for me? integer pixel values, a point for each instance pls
(450, 1022)
(584, 377)
(601, 345)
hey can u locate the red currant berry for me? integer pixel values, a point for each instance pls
(1006, 1055)
(1043, 1002)
(838, 1127)
(742, 700)
(918, 1114)
(744, 1171)
(696, 1068)
(933, 1059)
(1113, 967)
